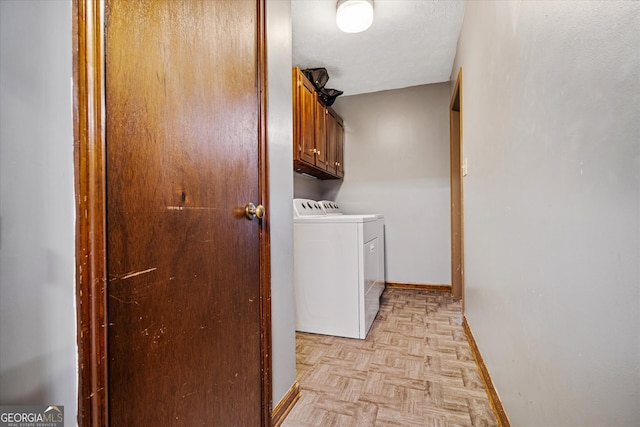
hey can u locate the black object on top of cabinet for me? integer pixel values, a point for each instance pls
(319, 78)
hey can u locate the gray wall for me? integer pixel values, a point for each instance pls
(281, 192)
(308, 188)
(397, 163)
(38, 362)
(551, 124)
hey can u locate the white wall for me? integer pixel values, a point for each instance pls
(551, 130)
(38, 355)
(280, 140)
(397, 163)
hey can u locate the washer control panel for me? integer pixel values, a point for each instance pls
(331, 208)
(307, 207)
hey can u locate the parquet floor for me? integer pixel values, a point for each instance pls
(414, 369)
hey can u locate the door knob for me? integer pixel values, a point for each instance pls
(253, 211)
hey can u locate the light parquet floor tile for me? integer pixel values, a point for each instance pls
(414, 369)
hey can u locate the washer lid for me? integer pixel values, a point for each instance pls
(307, 209)
(333, 208)
(333, 219)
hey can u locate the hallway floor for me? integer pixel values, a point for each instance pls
(414, 369)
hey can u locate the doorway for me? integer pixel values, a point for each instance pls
(172, 276)
(457, 217)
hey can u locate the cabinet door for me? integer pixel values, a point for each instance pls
(304, 119)
(321, 137)
(339, 148)
(331, 126)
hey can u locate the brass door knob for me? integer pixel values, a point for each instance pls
(253, 211)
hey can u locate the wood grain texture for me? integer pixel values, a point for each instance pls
(418, 286)
(457, 217)
(496, 404)
(265, 230)
(331, 125)
(90, 182)
(318, 132)
(282, 409)
(188, 298)
(320, 127)
(304, 110)
(415, 368)
(89, 158)
(339, 147)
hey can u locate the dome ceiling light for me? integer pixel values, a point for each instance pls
(354, 16)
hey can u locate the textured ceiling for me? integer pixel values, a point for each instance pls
(411, 42)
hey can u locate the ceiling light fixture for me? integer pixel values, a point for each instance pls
(354, 16)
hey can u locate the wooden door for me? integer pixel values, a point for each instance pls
(182, 143)
(457, 228)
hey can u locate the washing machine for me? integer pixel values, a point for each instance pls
(338, 269)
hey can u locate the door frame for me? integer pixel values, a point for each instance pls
(457, 199)
(89, 124)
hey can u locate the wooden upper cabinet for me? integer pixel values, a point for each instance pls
(318, 133)
(339, 147)
(331, 124)
(321, 137)
(304, 103)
